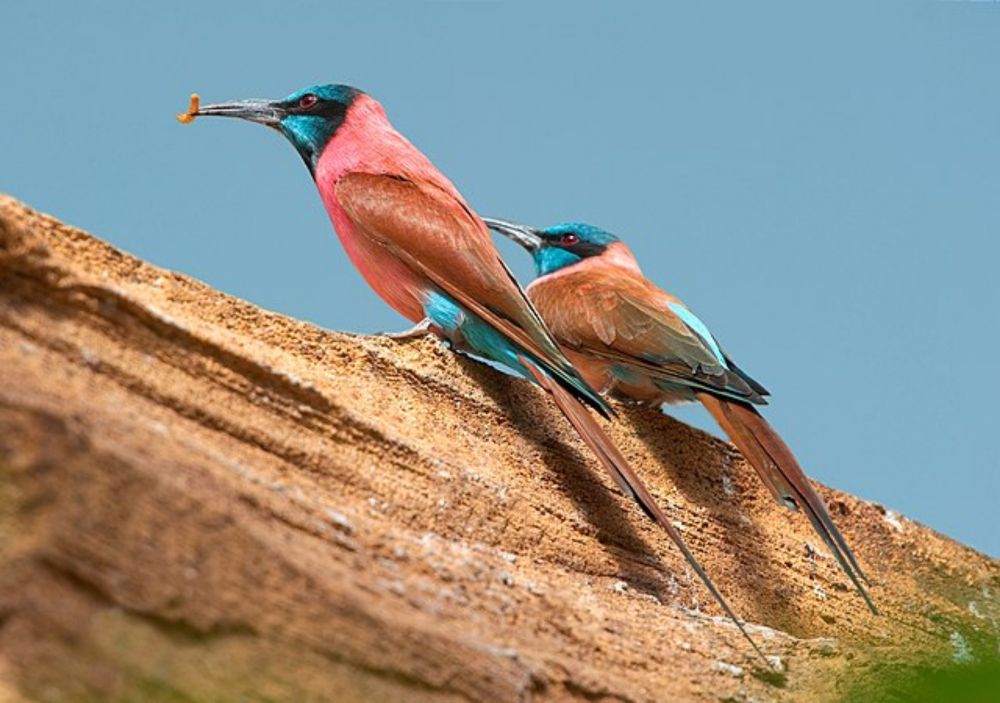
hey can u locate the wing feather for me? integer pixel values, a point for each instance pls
(623, 318)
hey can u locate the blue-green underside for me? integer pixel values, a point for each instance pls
(477, 337)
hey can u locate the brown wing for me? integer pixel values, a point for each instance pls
(438, 237)
(620, 316)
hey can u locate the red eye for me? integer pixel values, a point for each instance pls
(307, 101)
(569, 238)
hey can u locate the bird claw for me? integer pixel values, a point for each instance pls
(421, 329)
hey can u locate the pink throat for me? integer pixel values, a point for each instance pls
(367, 143)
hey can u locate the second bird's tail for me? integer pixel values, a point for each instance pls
(781, 473)
(616, 464)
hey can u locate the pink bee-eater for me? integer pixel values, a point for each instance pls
(629, 337)
(421, 247)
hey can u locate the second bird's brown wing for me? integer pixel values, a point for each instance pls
(621, 317)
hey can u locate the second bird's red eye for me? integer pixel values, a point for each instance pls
(307, 101)
(569, 238)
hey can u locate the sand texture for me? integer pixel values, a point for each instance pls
(201, 500)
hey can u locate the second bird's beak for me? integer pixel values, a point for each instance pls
(527, 237)
(265, 112)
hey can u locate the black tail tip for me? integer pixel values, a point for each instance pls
(600, 405)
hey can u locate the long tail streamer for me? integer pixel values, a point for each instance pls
(781, 473)
(627, 479)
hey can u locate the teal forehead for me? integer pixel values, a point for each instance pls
(326, 91)
(586, 232)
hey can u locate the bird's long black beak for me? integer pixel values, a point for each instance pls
(527, 237)
(265, 112)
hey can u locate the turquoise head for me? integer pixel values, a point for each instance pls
(557, 246)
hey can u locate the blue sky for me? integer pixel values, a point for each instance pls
(820, 184)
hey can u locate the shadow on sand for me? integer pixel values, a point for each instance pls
(638, 563)
(760, 579)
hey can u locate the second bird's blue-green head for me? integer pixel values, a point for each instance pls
(561, 245)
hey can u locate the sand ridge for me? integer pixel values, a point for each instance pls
(203, 500)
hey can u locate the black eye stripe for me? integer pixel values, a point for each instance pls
(330, 109)
(586, 249)
(579, 247)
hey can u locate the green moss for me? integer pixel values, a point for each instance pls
(967, 683)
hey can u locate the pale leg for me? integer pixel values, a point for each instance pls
(421, 329)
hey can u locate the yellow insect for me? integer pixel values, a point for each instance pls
(192, 112)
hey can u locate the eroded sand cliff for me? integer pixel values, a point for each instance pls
(202, 500)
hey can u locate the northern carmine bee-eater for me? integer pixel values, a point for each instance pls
(428, 255)
(628, 337)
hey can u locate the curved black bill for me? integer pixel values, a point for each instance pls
(527, 237)
(266, 112)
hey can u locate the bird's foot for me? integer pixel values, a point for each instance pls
(421, 329)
